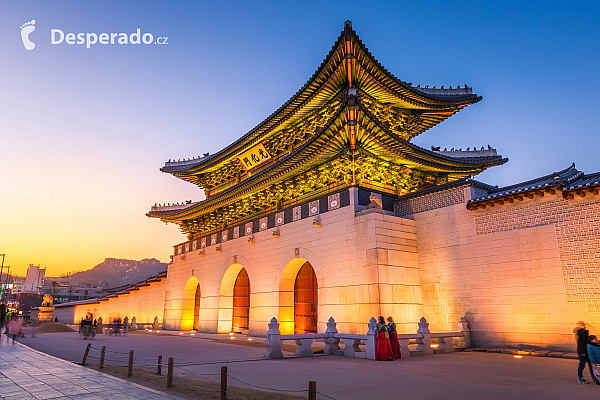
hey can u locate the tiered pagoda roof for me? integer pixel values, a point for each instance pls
(351, 124)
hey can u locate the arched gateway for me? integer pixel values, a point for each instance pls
(190, 304)
(234, 300)
(305, 300)
(298, 298)
(241, 302)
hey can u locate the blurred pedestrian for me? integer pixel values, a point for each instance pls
(593, 350)
(14, 327)
(87, 326)
(583, 335)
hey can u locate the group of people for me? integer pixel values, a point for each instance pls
(87, 327)
(388, 348)
(588, 350)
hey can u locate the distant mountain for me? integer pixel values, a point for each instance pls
(114, 272)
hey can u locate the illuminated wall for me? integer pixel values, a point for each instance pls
(145, 303)
(518, 272)
(365, 264)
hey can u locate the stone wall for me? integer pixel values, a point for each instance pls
(523, 274)
(145, 303)
(365, 263)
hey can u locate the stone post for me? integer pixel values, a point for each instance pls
(446, 344)
(424, 344)
(331, 343)
(155, 323)
(303, 347)
(371, 342)
(464, 327)
(134, 326)
(404, 349)
(351, 347)
(273, 341)
(99, 325)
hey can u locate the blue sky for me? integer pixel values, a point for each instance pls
(84, 131)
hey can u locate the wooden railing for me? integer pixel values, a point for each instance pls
(423, 338)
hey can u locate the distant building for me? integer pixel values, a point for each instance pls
(63, 292)
(34, 279)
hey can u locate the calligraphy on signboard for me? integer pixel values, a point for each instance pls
(254, 157)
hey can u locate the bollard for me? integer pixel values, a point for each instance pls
(170, 373)
(102, 352)
(223, 383)
(312, 390)
(130, 364)
(85, 355)
(159, 369)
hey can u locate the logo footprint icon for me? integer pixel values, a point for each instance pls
(26, 29)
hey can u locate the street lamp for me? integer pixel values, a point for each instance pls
(5, 284)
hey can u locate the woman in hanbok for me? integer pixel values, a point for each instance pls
(393, 338)
(384, 349)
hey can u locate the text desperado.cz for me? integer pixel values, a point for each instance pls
(57, 36)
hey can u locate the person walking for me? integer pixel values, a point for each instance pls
(2, 319)
(87, 326)
(7, 319)
(593, 351)
(583, 335)
(2, 314)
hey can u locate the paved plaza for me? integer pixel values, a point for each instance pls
(447, 376)
(28, 374)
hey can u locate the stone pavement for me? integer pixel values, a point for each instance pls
(449, 376)
(28, 374)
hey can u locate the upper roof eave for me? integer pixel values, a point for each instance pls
(212, 160)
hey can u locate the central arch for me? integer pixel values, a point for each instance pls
(241, 303)
(190, 304)
(298, 300)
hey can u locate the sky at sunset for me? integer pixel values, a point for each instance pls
(84, 131)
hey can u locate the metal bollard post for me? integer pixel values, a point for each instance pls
(223, 383)
(312, 390)
(85, 355)
(102, 352)
(130, 364)
(170, 373)
(159, 369)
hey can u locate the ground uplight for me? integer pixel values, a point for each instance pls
(518, 356)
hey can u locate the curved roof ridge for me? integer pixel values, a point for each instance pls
(439, 97)
(281, 108)
(538, 181)
(261, 173)
(406, 143)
